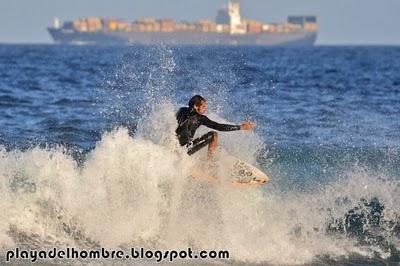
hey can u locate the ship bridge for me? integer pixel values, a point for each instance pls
(231, 15)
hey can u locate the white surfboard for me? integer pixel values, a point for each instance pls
(231, 169)
(243, 172)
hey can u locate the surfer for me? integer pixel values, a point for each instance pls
(192, 117)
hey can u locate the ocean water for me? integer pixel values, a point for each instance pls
(89, 157)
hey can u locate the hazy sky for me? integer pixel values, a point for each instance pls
(340, 21)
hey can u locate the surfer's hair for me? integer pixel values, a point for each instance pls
(196, 101)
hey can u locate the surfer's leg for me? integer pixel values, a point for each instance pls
(213, 144)
(207, 139)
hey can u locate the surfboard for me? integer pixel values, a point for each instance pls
(245, 173)
(231, 169)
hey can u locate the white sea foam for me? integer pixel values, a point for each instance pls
(138, 190)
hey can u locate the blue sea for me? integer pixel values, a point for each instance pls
(89, 156)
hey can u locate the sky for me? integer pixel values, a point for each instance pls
(341, 22)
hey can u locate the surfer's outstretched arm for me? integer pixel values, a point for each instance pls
(204, 120)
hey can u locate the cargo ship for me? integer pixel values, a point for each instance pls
(229, 28)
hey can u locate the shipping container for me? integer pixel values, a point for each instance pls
(253, 26)
(167, 25)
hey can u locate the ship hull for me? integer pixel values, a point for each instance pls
(62, 36)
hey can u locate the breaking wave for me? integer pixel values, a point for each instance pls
(137, 190)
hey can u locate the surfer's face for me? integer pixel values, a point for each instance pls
(201, 108)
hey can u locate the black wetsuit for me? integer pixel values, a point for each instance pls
(189, 121)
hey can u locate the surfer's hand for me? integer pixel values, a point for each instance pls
(247, 126)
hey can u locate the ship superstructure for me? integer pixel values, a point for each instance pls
(229, 28)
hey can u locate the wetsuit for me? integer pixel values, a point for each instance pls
(189, 121)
